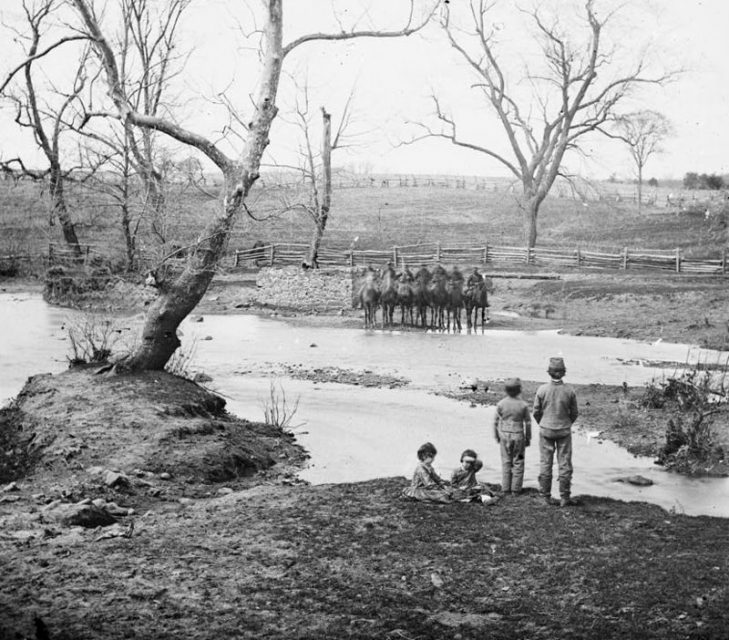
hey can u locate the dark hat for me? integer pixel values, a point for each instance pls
(469, 454)
(556, 364)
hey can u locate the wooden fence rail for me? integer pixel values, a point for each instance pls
(414, 255)
(663, 260)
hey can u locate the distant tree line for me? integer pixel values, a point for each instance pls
(703, 181)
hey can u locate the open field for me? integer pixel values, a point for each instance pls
(376, 216)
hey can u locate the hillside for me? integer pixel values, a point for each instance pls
(377, 216)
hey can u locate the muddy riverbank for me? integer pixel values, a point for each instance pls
(212, 534)
(200, 547)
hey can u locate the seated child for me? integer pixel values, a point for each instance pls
(463, 480)
(427, 485)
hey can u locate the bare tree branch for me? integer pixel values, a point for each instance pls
(407, 30)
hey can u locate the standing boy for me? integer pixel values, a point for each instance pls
(555, 409)
(513, 430)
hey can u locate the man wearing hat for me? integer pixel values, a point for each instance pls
(555, 410)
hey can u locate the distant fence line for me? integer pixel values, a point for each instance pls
(583, 190)
(665, 260)
(282, 254)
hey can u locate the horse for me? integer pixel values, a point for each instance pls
(421, 297)
(388, 295)
(476, 297)
(369, 298)
(438, 299)
(405, 296)
(455, 302)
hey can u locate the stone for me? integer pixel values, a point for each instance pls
(13, 486)
(638, 481)
(115, 479)
(81, 515)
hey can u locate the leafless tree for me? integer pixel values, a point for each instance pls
(45, 118)
(148, 57)
(314, 197)
(565, 93)
(179, 295)
(643, 132)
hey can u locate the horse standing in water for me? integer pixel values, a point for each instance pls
(455, 303)
(388, 296)
(438, 298)
(405, 296)
(369, 298)
(421, 297)
(477, 297)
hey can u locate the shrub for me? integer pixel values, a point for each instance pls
(92, 339)
(276, 410)
(694, 399)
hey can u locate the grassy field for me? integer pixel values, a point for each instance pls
(379, 217)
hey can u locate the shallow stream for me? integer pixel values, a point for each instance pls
(355, 433)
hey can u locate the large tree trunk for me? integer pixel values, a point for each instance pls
(60, 211)
(640, 188)
(326, 203)
(179, 297)
(530, 208)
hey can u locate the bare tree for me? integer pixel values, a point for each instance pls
(644, 132)
(179, 295)
(150, 36)
(45, 121)
(566, 92)
(148, 61)
(315, 168)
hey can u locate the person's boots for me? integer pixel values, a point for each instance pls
(545, 490)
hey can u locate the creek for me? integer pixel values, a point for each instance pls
(355, 433)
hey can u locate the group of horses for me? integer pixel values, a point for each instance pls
(430, 299)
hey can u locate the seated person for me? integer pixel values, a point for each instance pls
(427, 485)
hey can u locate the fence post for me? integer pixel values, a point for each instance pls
(625, 257)
(486, 253)
(678, 260)
(578, 257)
(394, 256)
(351, 258)
(437, 252)
(271, 256)
(237, 259)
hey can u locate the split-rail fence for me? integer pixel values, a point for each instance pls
(414, 255)
(283, 254)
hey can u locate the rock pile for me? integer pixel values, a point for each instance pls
(306, 290)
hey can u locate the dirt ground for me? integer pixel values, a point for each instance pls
(136, 507)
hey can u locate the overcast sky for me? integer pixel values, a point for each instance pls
(393, 82)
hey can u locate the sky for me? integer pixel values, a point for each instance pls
(393, 81)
